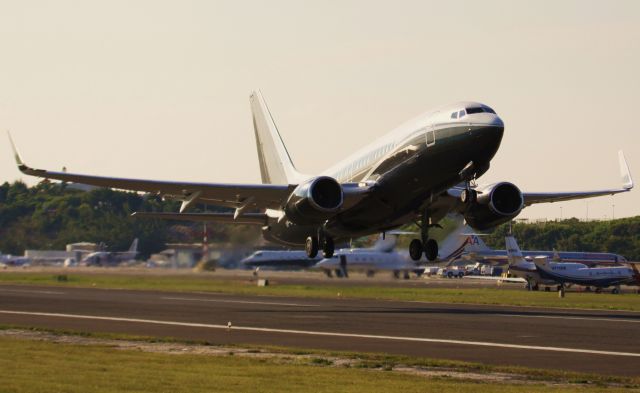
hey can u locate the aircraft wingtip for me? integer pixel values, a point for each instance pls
(16, 155)
(627, 180)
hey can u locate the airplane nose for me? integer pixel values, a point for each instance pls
(497, 122)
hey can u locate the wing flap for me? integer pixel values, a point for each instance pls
(227, 218)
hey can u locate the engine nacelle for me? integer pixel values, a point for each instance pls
(496, 204)
(315, 201)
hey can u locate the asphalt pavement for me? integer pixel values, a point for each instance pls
(604, 342)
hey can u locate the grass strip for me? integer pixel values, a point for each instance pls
(187, 283)
(369, 361)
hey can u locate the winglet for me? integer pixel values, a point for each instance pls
(627, 181)
(16, 155)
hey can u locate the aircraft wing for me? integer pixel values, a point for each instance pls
(531, 198)
(239, 196)
(515, 280)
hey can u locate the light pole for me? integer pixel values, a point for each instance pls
(587, 217)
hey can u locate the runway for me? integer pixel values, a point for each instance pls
(603, 342)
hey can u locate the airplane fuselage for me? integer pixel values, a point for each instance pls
(412, 164)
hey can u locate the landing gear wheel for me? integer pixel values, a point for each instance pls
(327, 247)
(468, 196)
(311, 246)
(431, 250)
(415, 249)
(615, 291)
(598, 290)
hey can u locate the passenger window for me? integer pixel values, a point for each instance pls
(454, 115)
(461, 113)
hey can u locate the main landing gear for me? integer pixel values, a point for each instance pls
(426, 245)
(313, 242)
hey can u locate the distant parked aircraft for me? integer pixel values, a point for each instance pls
(102, 258)
(580, 274)
(14, 260)
(382, 257)
(476, 249)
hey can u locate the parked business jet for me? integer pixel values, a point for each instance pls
(521, 268)
(294, 259)
(418, 172)
(279, 259)
(579, 274)
(102, 258)
(14, 260)
(383, 257)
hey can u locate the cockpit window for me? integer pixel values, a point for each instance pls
(479, 109)
(461, 113)
(487, 109)
(454, 115)
(475, 109)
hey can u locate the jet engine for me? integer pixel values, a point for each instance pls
(494, 205)
(315, 201)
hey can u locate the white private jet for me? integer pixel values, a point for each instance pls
(419, 172)
(580, 274)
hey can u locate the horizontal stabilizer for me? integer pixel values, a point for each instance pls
(227, 218)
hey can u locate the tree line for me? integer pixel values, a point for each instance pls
(620, 236)
(51, 215)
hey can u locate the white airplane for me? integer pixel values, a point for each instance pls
(580, 274)
(523, 269)
(14, 260)
(419, 172)
(382, 257)
(279, 259)
(102, 258)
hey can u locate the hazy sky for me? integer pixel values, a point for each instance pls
(158, 89)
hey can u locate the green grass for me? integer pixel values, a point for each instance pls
(493, 296)
(40, 366)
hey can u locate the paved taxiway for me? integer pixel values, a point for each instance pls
(589, 341)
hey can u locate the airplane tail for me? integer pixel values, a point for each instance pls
(276, 166)
(514, 253)
(388, 241)
(461, 240)
(134, 245)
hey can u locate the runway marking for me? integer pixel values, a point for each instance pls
(193, 299)
(32, 291)
(570, 318)
(325, 334)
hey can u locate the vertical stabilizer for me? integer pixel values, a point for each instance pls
(513, 251)
(134, 245)
(276, 166)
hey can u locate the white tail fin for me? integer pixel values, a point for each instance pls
(458, 242)
(134, 245)
(276, 166)
(513, 250)
(473, 243)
